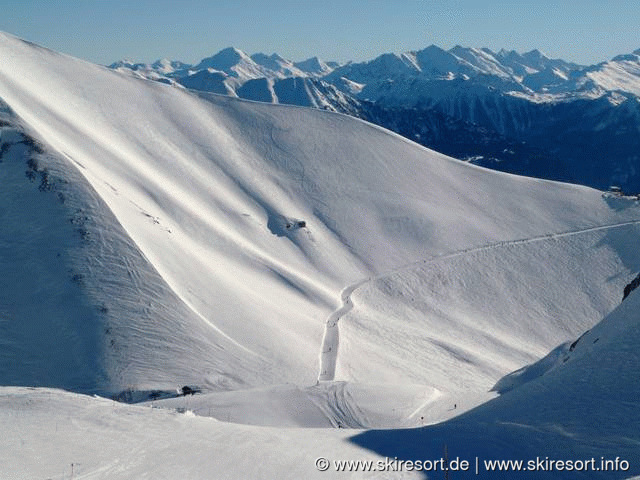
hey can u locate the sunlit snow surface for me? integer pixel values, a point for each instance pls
(250, 250)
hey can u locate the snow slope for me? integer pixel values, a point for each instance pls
(300, 267)
(206, 186)
(622, 74)
(91, 438)
(585, 408)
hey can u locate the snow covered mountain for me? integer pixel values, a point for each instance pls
(520, 113)
(260, 77)
(316, 67)
(300, 91)
(161, 70)
(295, 267)
(572, 123)
(622, 74)
(211, 165)
(504, 71)
(240, 67)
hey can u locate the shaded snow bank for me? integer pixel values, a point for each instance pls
(586, 407)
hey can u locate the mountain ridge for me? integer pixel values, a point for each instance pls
(213, 160)
(564, 119)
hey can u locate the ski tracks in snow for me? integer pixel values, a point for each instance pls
(341, 409)
(329, 351)
(331, 339)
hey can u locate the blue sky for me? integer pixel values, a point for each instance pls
(144, 30)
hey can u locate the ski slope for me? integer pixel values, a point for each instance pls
(583, 408)
(301, 268)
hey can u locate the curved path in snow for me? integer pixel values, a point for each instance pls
(331, 340)
(329, 352)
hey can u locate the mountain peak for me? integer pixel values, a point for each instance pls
(534, 55)
(162, 62)
(314, 66)
(232, 51)
(627, 57)
(263, 56)
(125, 63)
(166, 66)
(224, 59)
(433, 48)
(504, 53)
(273, 62)
(434, 59)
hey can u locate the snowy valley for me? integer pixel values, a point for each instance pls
(322, 287)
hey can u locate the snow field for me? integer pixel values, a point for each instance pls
(415, 284)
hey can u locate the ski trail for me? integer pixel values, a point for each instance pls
(339, 407)
(331, 339)
(340, 404)
(329, 351)
(506, 243)
(431, 398)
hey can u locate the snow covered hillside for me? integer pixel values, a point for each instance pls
(519, 113)
(584, 408)
(295, 267)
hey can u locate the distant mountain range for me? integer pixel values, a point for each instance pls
(521, 113)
